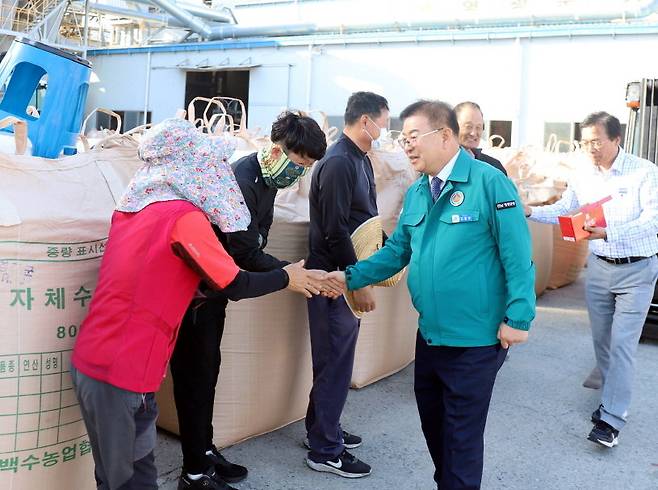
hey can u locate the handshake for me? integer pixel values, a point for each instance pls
(329, 284)
(312, 282)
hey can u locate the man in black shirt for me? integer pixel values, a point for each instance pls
(471, 127)
(297, 142)
(342, 197)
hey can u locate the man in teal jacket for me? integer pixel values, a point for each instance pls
(463, 234)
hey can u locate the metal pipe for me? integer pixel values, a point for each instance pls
(147, 88)
(643, 119)
(185, 37)
(651, 144)
(137, 14)
(630, 130)
(222, 32)
(9, 12)
(194, 24)
(230, 11)
(309, 77)
(51, 17)
(212, 33)
(198, 11)
(520, 111)
(207, 13)
(206, 31)
(53, 23)
(85, 40)
(231, 31)
(288, 87)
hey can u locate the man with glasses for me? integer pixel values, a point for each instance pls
(342, 197)
(464, 237)
(297, 141)
(471, 127)
(622, 267)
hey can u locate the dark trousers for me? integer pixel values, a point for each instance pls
(453, 387)
(334, 331)
(121, 429)
(195, 369)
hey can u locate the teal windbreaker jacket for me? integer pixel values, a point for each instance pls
(469, 257)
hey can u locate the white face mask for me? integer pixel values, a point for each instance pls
(379, 142)
(383, 133)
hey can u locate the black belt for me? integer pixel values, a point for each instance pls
(621, 260)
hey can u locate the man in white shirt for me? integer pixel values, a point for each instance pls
(622, 268)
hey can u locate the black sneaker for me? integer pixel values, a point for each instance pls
(208, 481)
(596, 415)
(345, 465)
(604, 434)
(350, 441)
(226, 470)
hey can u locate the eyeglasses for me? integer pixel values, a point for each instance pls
(595, 144)
(403, 142)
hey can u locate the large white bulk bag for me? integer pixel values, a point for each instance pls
(54, 222)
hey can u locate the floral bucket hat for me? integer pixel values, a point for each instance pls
(181, 163)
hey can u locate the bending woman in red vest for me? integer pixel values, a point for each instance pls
(161, 245)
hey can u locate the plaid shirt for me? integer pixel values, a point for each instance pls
(631, 215)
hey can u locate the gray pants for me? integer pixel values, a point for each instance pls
(618, 299)
(121, 428)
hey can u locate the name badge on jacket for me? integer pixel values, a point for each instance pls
(464, 218)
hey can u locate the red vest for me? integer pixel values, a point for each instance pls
(143, 291)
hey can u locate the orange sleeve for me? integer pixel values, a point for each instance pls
(194, 241)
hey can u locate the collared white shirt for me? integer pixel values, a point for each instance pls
(631, 215)
(445, 172)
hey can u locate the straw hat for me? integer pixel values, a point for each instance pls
(367, 239)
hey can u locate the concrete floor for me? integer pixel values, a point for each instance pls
(536, 433)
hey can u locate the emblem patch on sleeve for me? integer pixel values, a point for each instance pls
(505, 205)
